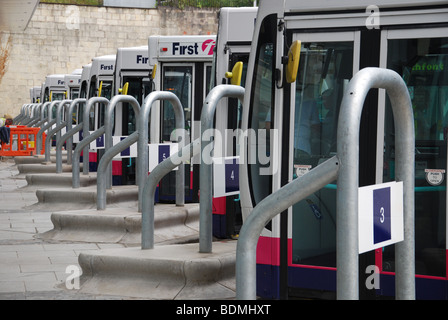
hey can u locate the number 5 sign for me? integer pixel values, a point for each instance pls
(380, 215)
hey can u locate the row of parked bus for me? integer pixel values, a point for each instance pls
(188, 66)
(297, 251)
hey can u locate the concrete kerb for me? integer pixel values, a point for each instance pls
(84, 198)
(38, 180)
(165, 272)
(44, 167)
(34, 159)
(39, 158)
(123, 225)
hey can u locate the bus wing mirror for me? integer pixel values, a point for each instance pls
(293, 62)
(100, 88)
(124, 90)
(235, 75)
(153, 73)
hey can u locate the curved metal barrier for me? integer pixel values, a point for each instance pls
(347, 162)
(205, 178)
(142, 147)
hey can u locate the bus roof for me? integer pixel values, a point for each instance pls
(180, 48)
(85, 72)
(55, 81)
(132, 58)
(72, 80)
(341, 5)
(103, 65)
(237, 24)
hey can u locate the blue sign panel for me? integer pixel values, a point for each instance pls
(164, 152)
(100, 141)
(126, 152)
(232, 175)
(381, 215)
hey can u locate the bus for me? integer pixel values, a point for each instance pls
(72, 84)
(85, 80)
(131, 77)
(296, 253)
(101, 78)
(53, 88)
(35, 94)
(183, 66)
(233, 41)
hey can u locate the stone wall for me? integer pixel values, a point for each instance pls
(61, 38)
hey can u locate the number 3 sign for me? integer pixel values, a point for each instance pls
(380, 215)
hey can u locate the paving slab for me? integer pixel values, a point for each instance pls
(32, 267)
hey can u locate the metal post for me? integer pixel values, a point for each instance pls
(347, 191)
(205, 178)
(41, 131)
(39, 134)
(69, 138)
(61, 124)
(108, 125)
(142, 147)
(77, 153)
(105, 163)
(85, 131)
(265, 211)
(40, 123)
(36, 116)
(150, 184)
(29, 114)
(17, 119)
(48, 144)
(35, 111)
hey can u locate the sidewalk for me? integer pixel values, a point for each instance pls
(32, 268)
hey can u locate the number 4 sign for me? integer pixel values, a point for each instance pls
(226, 176)
(380, 215)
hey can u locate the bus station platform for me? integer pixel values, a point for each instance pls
(40, 248)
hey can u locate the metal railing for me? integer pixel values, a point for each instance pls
(345, 166)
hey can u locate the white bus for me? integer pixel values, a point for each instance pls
(35, 94)
(296, 253)
(101, 78)
(233, 42)
(85, 80)
(72, 84)
(183, 66)
(131, 77)
(53, 88)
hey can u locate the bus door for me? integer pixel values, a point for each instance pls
(297, 249)
(138, 87)
(188, 82)
(327, 63)
(420, 56)
(99, 87)
(227, 217)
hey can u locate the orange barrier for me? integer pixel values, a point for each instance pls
(22, 142)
